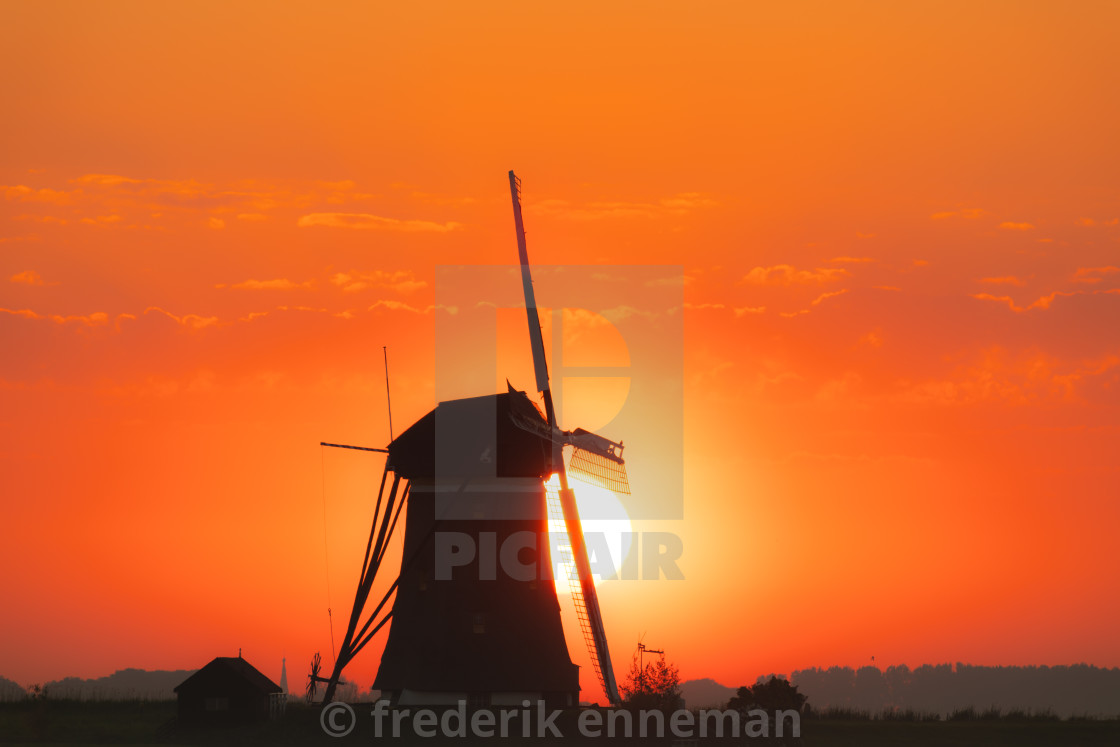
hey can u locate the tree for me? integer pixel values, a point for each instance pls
(871, 692)
(657, 686)
(775, 694)
(769, 696)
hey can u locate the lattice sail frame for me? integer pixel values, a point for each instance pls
(601, 469)
(593, 456)
(567, 560)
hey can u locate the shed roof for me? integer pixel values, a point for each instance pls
(231, 666)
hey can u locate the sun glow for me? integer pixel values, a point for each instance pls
(607, 531)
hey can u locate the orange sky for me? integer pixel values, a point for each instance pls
(898, 227)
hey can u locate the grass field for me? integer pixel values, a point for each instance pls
(138, 723)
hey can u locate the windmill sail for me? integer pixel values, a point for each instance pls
(587, 602)
(598, 458)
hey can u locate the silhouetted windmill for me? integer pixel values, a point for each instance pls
(468, 633)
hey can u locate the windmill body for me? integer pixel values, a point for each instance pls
(478, 631)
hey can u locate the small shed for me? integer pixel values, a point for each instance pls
(229, 689)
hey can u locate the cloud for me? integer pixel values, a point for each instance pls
(851, 260)
(678, 204)
(100, 319)
(789, 275)
(826, 296)
(402, 281)
(392, 305)
(1010, 226)
(963, 213)
(302, 308)
(365, 221)
(739, 311)
(815, 302)
(687, 201)
(28, 277)
(192, 321)
(618, 314)
(115, 183)
(277, 284)
(118, 192)
(1005, 280)
(670, 281)
(1093, 274)
(94, 319)
(1004, 299)
(135, 200)
(432, 198)
(592, 210)
(344, 185)
(1044, 302)
(22, 193)
(45, 219)
(576, 318)
(1011, 378)
(91, 320)
(873, 339)
(106, 180)
(338, 193)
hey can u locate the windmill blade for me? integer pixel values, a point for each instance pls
(596, 444)
(594, 457)
(595, 469)
(313, 679)
(594, 633)
(591, 619)
(540, 365)
(600, 459)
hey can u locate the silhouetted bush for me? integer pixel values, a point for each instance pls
(656, 687)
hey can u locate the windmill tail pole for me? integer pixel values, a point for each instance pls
(379, 527)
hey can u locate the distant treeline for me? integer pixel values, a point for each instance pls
(125, 684)
(1077, 690)
(11, 690)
